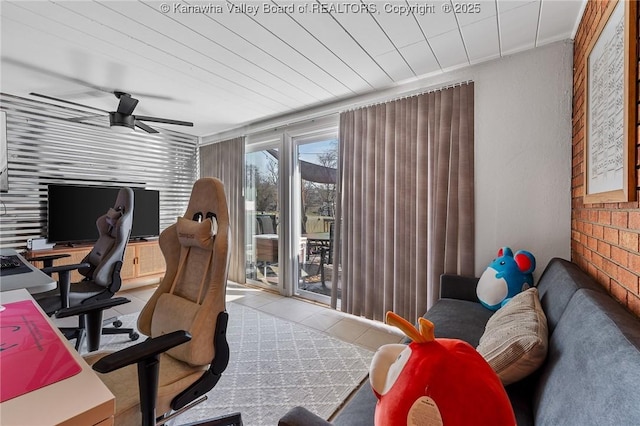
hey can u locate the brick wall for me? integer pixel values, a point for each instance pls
(605, 238)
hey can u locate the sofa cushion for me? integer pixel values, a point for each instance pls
(360, 408)
(556, 286)
(459, 319)
(520, 397)
(515, 339)
(592, 372)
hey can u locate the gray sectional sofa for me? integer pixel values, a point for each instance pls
(591, 375)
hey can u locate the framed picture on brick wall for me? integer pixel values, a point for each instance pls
(611, 100)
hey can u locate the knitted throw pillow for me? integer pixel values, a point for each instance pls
(515, 339)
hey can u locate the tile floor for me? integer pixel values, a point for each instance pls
(363, 332)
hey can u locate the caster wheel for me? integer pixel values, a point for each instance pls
(134, 336)
(117, 323)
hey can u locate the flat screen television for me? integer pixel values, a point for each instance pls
(73, 210)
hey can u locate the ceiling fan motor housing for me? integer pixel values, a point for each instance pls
(122, 120)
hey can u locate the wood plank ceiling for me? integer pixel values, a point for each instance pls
(225, 64)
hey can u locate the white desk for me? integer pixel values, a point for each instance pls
(34, 280)
(82, 399)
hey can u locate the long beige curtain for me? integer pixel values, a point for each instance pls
(225, 160)
(406, 202)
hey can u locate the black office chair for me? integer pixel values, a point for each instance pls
(101, 269)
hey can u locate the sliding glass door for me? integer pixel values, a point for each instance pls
(262, 186)
(290, 192)
(316, 165)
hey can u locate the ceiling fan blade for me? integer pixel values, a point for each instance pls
(152, 96)
(86, 117)
(51, 98)
(75, 80)
(164, 120)
(146, 128)
(127, 104)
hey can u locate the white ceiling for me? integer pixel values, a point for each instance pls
(222, 69)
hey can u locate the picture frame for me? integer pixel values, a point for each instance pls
(4, 159)
(610, 106)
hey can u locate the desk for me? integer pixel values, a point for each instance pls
(81, 399)
(33, 279)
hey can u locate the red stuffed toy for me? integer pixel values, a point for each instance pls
(435, 382)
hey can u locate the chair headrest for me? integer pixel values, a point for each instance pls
(192, 233)
(208, 198)
(124, 200)
(113, 216)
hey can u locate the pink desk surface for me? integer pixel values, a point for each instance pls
(32, 355)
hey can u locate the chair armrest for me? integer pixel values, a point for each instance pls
(99, 305)
(148, 349)
(458, 287)
(147, 357)
(300, 416)
(64, 279)
(61, 269)
(48, 259)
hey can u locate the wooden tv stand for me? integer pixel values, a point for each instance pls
(143, 262)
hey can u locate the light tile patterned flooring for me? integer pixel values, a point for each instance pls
(363, 332)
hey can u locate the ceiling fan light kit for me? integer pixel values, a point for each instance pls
(121, 123)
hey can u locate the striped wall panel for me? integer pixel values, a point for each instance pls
(44, 146)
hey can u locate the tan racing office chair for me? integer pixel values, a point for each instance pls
(101, 269)
(185, 318)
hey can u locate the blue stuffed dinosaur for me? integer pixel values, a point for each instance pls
(506, 276)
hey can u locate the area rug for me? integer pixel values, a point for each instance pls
(275, 365)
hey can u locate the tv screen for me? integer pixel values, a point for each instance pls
(73, 210)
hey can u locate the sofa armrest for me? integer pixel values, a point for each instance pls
(300, 416)
(458, 287)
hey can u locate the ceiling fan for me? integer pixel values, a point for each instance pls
(122, 119)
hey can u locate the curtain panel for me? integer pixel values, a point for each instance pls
(225, 160)
(406, 201)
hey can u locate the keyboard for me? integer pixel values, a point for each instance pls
(9, 262)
